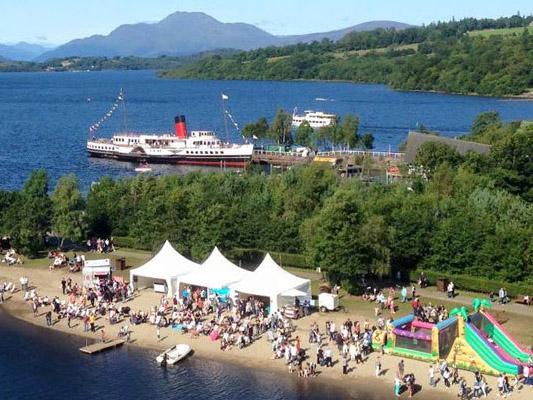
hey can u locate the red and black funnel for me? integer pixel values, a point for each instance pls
(181, 126)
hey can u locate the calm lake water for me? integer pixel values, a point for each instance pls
(44, 117)
(36, 363)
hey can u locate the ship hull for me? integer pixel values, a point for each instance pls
(211, 161)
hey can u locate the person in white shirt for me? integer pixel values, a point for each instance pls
(431, 374)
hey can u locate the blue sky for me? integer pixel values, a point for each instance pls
(57, 21)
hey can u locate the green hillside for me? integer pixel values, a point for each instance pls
(500, 31)
(445, 57)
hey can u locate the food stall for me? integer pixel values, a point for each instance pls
(94, 270)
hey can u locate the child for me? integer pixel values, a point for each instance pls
(378, 366)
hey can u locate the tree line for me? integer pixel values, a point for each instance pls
(463, 214)
(342, 133)
(440, 56)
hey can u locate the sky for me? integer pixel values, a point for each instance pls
(58, 21)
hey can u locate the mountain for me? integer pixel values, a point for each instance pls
(22, 51)
(181, 33)
(186, 33)
(339, 34)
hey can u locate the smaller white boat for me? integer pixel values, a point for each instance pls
(174, 354)
(143, 167)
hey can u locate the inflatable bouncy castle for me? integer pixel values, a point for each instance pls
(470, 341)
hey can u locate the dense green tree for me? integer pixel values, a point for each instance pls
(258, 129)
(68, 217)
(367, 141)
(305, 135)
(485, 120)
(31, 215)
(431, 154)
(280, 130)
(342, 241)
(349, 131)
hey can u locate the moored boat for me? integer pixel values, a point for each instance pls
(316, 119)
(174, 354)
(143, 167)
(196, 148)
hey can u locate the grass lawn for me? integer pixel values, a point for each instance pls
(134, 258)
(518, 325)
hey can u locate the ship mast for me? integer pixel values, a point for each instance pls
(225, 112)
(124, 109)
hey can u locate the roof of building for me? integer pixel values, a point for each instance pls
(417, 139)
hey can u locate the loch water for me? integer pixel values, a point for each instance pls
(44, 117)
(37, 363)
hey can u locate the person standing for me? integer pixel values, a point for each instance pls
(158, 333)
(431, 375)
(378, 366)
(401, 369)
(344, 364)
(92, 321)
(63, 285)
(2, 289)
(397, 385)
(327, 357)
(48, 317)
(403, 293)
(85, 321)
(450, 290)
(446, 375)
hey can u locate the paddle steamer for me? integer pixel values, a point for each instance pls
(196, 148)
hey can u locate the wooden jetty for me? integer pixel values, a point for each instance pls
(102, 346)
(287, 159)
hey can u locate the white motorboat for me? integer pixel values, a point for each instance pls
(143, 167)
(174, 354)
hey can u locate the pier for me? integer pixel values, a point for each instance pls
(286, 159)
(102, 346)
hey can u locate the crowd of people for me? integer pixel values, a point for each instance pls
(98, 245)
(12, 258)
(237, 322)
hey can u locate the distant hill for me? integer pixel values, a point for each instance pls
(339, 34)
(180, 34)
(22, 51)
(186, 33)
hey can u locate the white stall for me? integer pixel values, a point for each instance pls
(94, 270)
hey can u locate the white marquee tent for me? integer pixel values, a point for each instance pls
(270, 280)
(166, 266)
(216, 272)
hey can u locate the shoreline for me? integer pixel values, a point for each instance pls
(526, 96)
(25, 318)
(360, 382)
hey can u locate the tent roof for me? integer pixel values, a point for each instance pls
(269, 279)
(167, 263)
(215, 272)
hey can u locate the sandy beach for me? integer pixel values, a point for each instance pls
(361, 378)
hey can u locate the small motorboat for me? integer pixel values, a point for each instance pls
(143, 167)
(174, 354)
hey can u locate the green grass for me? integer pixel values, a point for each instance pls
(503, 31)
(134, 258)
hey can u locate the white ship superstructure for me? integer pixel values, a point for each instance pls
(198, 148)
(316, 119)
